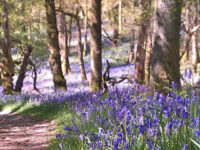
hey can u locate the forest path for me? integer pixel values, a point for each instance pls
(19, 132)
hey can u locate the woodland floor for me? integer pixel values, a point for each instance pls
(19, 132)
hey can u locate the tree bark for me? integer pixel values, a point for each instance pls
(195, 54)
(116, 25)
(165, 66)
(187, 36)
(22, 72)
(120, 16)
(96, 46)
(132, 46)
(8, 66)
(54, 60)
(69, 33)
(148, 56)
(85, 28)
(80, 48)
(141, 51)
(62, 39)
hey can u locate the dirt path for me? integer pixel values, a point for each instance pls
(24, 132)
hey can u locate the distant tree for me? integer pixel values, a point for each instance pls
(195, 22)
(80, 47)
(96, 46)
(85, 27)
(148, 47)
(54, 60)
(7, 66)
(165, 66)
(63, 43)
(116, 25)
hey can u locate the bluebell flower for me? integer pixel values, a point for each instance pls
(184, 147)
(60, 146)
(185, 72)
(141, 129)
(198, 133)
(59, 136)
(126, 147)
(190, 74)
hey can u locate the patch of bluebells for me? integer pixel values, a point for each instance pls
(128, 118)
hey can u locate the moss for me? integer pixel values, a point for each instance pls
(59, 82)
(95, 86)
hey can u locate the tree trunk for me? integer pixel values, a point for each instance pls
(62, 39)
(22, 72)
(69, 33)
(96, 46)
(120, 16)
(132, 46)
(69, 37)
(187, 36)
(116, 25)
(194, 53)
(8, 66)
(148, 56)
(54, 60)
(85, 28)
(80, 48)
(165, 66)
(141, 51)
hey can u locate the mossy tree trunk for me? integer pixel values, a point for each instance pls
(55, 59)
(96, 46)
(165, 65)
(80, 48)
(8, 66)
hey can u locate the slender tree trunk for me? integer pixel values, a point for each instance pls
(131, 53)
(116, 25)
(85, 28)
(187, 36)
(62, 38)
(132, 46)
(22, 72)
(54, 60)
(165, 66)
(194, 52)
(141, 51)
(120, 16)
(80, 49)
(187, 46)
(8, 66)
(148, 56)
(96, 46)
(68, 44)
(69, 35)
(29, 31)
